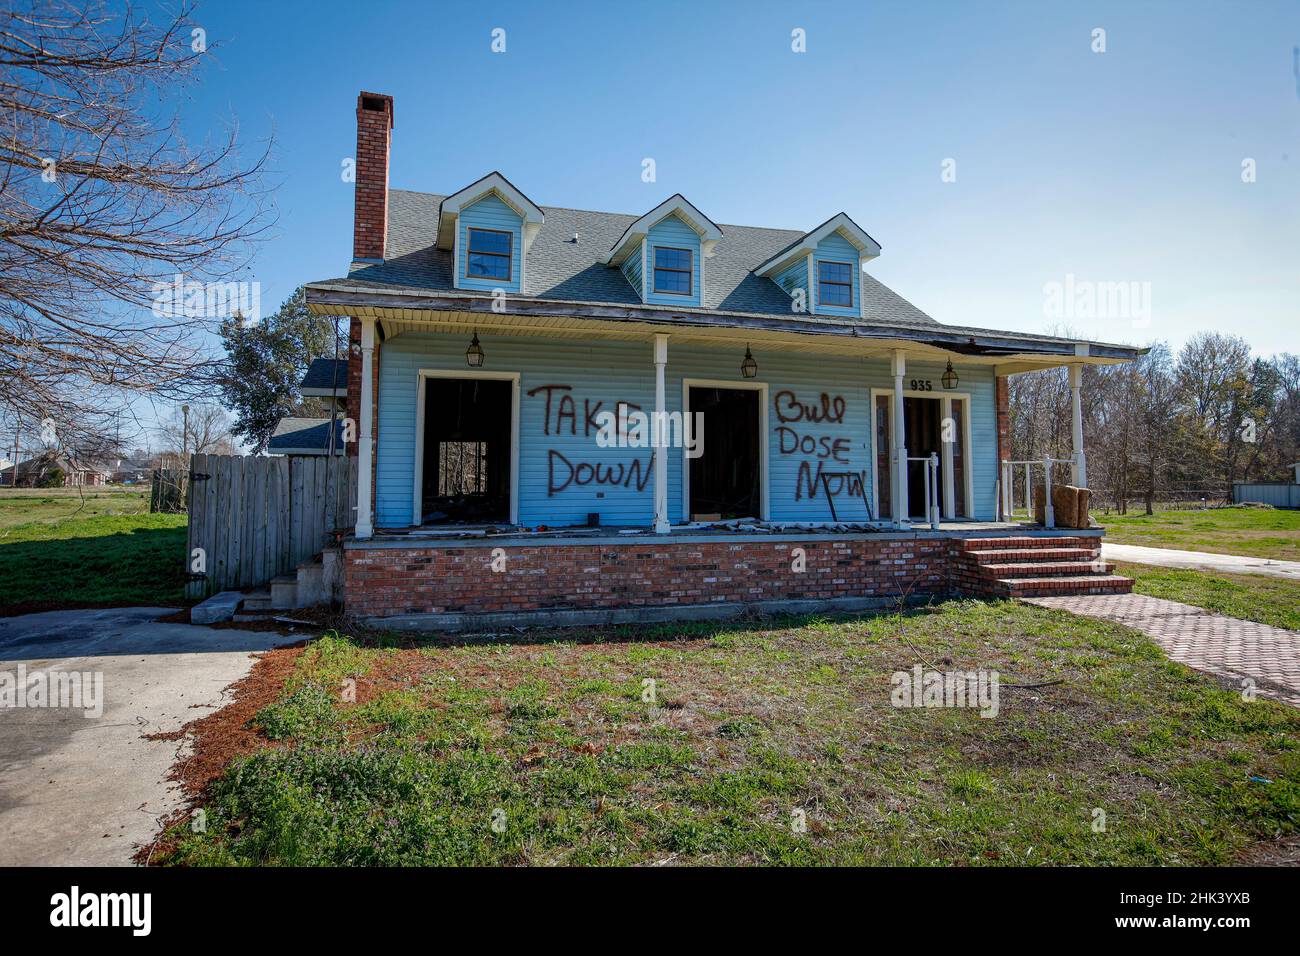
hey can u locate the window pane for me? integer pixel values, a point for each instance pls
(482, 240)
(672, 258)
(835, 272)
(836, 294)
(489, 267)
(666, 281)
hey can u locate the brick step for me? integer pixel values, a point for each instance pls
(1036, 569)
(1064, 586)
(1002, 544)
(986, 558)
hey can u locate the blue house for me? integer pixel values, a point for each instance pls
(603, 399)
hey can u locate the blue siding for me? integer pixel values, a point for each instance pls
(673, 232)
(794, 277)
(836, 247)
(596, 375)
(489, 213)
(632, 269)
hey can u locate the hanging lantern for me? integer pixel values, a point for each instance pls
(949, 377)
(474, 354)
(748, 368)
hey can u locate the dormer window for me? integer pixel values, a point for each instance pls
(672, 270)
(489, 254)
(835, 284)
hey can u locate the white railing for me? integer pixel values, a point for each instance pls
(1008, 498)
(932, 489)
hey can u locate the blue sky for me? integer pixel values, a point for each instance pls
(1122, 166)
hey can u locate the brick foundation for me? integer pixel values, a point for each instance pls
(386, 581)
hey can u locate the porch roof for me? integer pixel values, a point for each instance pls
(397, 311)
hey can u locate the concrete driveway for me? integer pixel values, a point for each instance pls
(87, 790)
(1200, 560)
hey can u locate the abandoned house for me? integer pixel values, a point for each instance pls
(597, 416)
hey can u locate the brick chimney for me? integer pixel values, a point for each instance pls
(374, 137)
(369, 221)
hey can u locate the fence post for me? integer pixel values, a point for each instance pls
(1049, 514)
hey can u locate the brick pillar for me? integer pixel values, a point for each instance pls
(369, 221)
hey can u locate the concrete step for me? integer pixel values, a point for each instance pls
(1035, 569)
(284, 592)
(256, 601)
(1009, 555)
(1065, 586)
(1005, 544)
(311, 584)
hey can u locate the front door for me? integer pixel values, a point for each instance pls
(926, 432)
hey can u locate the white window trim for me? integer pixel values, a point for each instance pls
(949, 513)
(761, 388)
(417, 489)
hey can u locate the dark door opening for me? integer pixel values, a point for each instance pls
(467, 427)
(924, 436)
(726, 479)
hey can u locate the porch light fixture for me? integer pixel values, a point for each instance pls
(474, 354)
(748, 368)
(949, 377)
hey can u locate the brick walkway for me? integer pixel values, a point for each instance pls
(1224, 646)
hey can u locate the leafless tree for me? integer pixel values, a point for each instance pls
(103, 205)
(206, 431)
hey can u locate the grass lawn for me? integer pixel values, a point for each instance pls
(55, 553)
(767, 742)
(1253, 532)
(1252, 597)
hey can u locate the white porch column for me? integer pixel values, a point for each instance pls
(1076, 430)
(949, 481)
(899, 497)
(660, 433)
(365, 440)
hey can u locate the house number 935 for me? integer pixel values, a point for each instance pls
(922, 385)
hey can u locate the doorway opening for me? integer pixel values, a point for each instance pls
(726, 480)
(466, 465)
(923, 424)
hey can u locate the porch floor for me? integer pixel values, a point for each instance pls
(467, 535)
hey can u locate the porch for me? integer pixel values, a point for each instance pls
(838, 467)
(475, 578)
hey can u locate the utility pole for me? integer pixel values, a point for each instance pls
(185, 437)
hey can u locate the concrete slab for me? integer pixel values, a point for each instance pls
(1200, 560)
(216, 609)
(79, 790)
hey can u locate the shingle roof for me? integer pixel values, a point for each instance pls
(560, 269)
(294, 434)
(326, 373)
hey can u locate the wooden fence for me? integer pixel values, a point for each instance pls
(257, 518)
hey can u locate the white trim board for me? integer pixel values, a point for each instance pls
(948, 508)
(761, 388)
(417, 490)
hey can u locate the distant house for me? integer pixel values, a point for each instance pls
(43, 469)
(306, 436)
(131, 470)
(325, 384)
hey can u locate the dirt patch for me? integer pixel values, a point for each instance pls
(221, 736)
